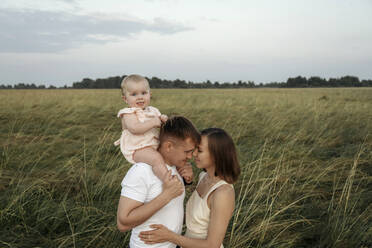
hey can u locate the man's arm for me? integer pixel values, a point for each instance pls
(132, 213)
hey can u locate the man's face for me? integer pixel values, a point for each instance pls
(180, 152)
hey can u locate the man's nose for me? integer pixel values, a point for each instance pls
(189, 155)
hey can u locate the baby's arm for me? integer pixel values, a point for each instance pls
(134, 126)
(152, 157)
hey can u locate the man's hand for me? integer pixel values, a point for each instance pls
(172, 186)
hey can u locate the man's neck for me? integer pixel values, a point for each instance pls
(169, 164)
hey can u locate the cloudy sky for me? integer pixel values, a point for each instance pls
(62, 41)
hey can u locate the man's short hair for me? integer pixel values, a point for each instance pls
(178, 127)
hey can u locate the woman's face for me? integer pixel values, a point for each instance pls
(203, 158)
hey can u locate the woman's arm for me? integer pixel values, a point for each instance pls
(130, 122)
(222, 204)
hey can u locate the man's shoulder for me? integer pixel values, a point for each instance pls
(139, 169)
(138, 174)
(143, 170)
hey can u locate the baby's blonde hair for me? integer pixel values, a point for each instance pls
(135, 78)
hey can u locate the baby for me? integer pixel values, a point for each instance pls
(140, 122)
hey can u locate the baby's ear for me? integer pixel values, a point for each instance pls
(124, 98)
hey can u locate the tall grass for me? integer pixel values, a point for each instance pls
(305, 155)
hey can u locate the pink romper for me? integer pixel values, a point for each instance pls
(129, 142)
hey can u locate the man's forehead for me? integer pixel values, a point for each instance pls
(188, 144)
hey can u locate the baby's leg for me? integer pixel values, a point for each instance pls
(152, 157)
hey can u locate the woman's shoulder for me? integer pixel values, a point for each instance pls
(225, 189)
(224, 193)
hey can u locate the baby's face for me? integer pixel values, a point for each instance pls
(137, 95)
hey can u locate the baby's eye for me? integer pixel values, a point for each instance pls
(133, 94)
(144, 93)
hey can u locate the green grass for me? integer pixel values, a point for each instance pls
(305, 155)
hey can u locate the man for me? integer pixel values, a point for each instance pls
(145, 200)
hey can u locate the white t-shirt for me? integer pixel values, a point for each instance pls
(141, 184)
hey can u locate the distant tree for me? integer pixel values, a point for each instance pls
(316, 82)
(333, 82)
(179, 84)
(251, 84)
(297, 82)
(349, 81)
(208, 84)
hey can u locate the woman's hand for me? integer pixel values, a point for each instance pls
(160, 234)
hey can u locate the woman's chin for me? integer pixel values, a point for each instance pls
(199, 166)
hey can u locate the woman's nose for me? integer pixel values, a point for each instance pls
(195, 153)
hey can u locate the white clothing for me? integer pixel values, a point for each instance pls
(198, 212)
(141, 184)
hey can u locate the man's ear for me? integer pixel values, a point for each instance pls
(168, 145)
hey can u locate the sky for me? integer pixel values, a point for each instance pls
(58, 42)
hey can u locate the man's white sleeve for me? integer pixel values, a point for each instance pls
(134, 184)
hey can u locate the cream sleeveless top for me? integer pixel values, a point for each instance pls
(198, 212)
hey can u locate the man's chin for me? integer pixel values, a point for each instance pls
(181, 164)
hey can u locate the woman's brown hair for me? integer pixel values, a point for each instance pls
(223, 153)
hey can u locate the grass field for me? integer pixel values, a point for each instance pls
(306, 158)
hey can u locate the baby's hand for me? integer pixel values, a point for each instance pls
(156, 121)
(186, 172)
(163, 118)
(188, 179)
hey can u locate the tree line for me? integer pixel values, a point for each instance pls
(296, 82)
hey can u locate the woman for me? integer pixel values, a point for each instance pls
(211, 205)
